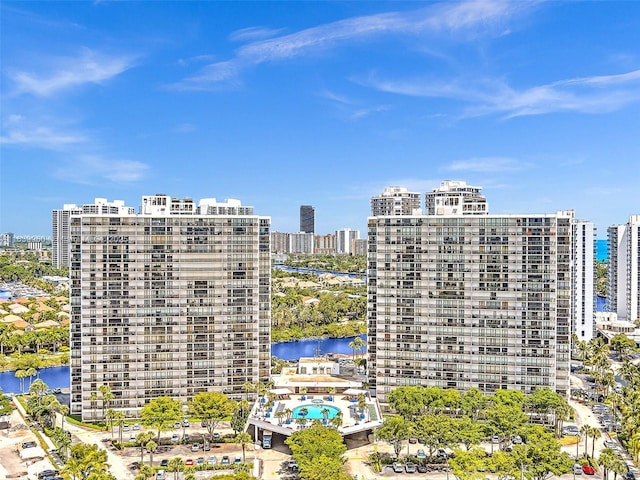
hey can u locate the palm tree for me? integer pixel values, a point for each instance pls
(107, 396)
(151, 447)
(63, 410)
(594, 433)
(288, 413)
(606, 460)
(618, 468)
(243, 438)
(584, 432)
(278, 415)
(356, 345)
(325, 413)
(20, 374)
(248, 387)
(331, 391)
(175, 465)
(336, 421)
(142, 439)
(38, 387)
(30, 373)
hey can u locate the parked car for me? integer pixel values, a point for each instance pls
(495, 439)
(413, 440)
(577, 469)
(225, 460)
(134, 466)
(47, 473)
(164, 463)
(397, 467)
(237, 459)
(160, 475)
(195, 447)
(517, 440)
(442, 454)
(177, 425)
(132, 438)
(200, 461)
(216, 436)
(29, 444)
(630, 475)
(125, 427)
(212, 460)
(420, 454)
(588, 470)
(185, 423)
(188, 462)
(175, 437)
(292, 465)
(410, 467)
(206, 447)
(422, 468)
(136, 426)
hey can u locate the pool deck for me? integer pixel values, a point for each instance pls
(351, 422)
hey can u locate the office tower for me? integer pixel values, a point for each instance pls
(584, 274)
(344, 240)
(307, 219)
(462, 301)
(60, 225)
(325, 244)
(172, 301)
(623, 296)
(455, 198)
(396, 201)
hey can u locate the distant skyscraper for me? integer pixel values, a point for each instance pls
(344, 240)
(455, 198)
(396, 201)
(60, 225)
(623, 294)
(7, 239)
(172, 301)
(307, 219)
(325, 244)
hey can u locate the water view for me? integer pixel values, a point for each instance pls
(58, 377)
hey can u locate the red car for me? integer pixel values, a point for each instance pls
(188, 462)
(588, 470)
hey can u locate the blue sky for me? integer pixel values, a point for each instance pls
(281, 104)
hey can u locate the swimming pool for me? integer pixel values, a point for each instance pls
(315, 411)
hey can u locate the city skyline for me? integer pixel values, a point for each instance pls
(324, 104)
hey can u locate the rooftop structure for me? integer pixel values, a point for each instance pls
(396, 201)
(455, 198)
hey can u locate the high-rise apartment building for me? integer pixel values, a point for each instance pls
(344, 240)
(325, 244)
(623, 295)
(60, 224)
(172, 301)
(396, 201)
(307, 219)
(465, 300)
(584, 275)
(455, 197)
(7, 239)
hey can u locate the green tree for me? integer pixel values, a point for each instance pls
(244, 439)
(142, 439)
(86, 462)
(161, 413)
(541, 456)
(20, 375)
(106, 397)
(315, 441)
(176, 465)
(469, 465)
(394, 430)
(212, 408)
(407, 402)
(473, 402)
(436, 431)
(606, 460)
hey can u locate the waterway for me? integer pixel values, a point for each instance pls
(58, 377)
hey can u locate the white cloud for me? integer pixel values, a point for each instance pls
(253, 33)
(95, 170)
(469, 17)
(487, 165)
(66, 73)
(41, 137)
(597, 94)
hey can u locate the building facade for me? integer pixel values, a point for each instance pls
(623, 295)
(172, 301)
(307, 219)
(584, 280)
(396, 201)
(60, 224)
(7, 239)
(463, 301)
(325, 244)
(344, 240)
